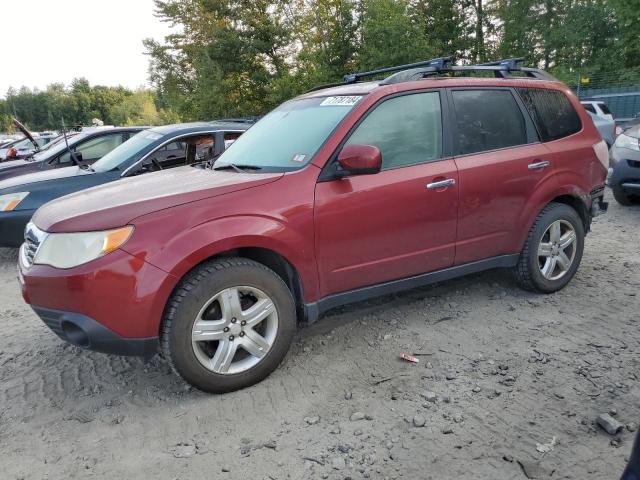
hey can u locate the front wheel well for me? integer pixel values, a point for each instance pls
(279, 264)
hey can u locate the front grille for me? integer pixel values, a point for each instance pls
(33, 238)
(634, 163)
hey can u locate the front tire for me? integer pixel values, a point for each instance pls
(553, 250)
(228, 325)
(624, 199)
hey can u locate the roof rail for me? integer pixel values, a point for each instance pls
(509, 63)
(436, 64)
(500, 69)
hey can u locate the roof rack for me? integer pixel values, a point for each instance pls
(437, 66)
(500, 68)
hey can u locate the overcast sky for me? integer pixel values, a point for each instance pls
(48, 41)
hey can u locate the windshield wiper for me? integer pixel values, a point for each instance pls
(239, 169)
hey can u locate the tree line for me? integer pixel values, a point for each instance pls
(80, 104)
(229, 58)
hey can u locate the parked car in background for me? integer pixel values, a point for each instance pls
(598, 108)
(606, 127)
(156, 149)
(30, 144)
(624, 167)
(339, 195)
(88, 146)
(25, 148)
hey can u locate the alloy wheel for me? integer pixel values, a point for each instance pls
(234, 330)
(557, 250)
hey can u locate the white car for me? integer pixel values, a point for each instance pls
(598, 108)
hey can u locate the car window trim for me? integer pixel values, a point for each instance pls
(328, 174)
(530, 129)
(172, 139)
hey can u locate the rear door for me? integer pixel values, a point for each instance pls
(501, 164)
(401, 221)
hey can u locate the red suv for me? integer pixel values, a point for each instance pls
(341, 194)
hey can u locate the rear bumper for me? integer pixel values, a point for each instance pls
(12, 225)
(85, 332)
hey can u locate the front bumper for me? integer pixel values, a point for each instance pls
(624, 174)
(114, 303)
(12, 225)
(85, 332)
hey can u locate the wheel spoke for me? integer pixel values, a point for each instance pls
(563, 261)
(567, 239)
(255, 344)
(549, 267)
(258, 312)
(223, 357)
(544, 250)
(207, 330)
(230, 304)
(555, 232)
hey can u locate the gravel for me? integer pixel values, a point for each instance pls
(546, 365)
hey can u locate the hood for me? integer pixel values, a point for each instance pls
(118, 203)
(26, 133)
(633, 131)
(43, 176)
(13, 164)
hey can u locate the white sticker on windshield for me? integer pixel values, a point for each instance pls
(341, 101)
(299, 157)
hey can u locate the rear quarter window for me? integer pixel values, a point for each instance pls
(552, 112)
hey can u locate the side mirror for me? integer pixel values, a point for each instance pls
(78, 156)
(360, 159)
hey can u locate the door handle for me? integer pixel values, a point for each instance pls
(538, 165)
(441, 184)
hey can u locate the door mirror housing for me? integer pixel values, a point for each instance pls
(360, 159)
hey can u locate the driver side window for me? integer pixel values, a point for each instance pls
(407, 130)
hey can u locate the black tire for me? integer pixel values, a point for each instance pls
(624, 199)
(200, 285)
(527, 271)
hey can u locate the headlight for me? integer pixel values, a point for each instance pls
(624, 141)
(68, 250)
(11, 200)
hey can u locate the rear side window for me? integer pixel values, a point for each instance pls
(487, 120)
(589, 108)
(604, 109)
(407, 130)
(552, 111)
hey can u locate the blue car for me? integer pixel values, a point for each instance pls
(151, 150)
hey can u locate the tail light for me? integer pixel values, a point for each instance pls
(602, 152)
(12, 152)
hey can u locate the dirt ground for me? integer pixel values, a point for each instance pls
(502, 374)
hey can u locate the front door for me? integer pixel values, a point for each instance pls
(401, 221)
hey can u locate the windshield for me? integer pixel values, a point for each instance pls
(132, 147)
(289, 136)
(59, 147)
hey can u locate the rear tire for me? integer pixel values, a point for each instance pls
(553, 250)
(228, 325)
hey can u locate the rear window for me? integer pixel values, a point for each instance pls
(552, 111)
(487, 120)
(604, 109)
(589, 108)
